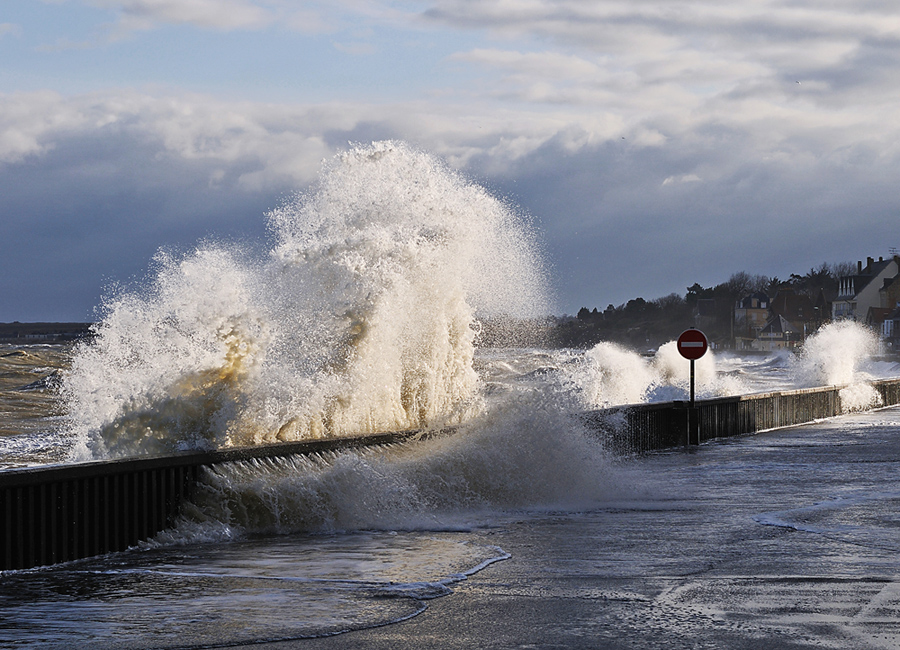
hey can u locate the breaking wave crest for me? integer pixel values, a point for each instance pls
(611, 375)
(836, 355)
(510, 457)
(362, 317)
(839, 354)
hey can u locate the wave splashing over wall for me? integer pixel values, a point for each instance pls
(836, 355)
(611, 375)
(362, 317)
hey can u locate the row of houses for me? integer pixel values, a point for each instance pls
(870, 296)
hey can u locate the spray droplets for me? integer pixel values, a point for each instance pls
(835, 356)
(609, 375)
(362, 317)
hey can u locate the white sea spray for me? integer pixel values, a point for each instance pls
(362, 317)
(837, 355)
(609, 374)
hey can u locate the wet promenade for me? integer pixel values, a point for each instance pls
(786, 539)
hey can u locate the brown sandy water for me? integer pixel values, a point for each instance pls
(30, 408)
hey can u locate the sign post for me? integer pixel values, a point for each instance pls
(692, 344)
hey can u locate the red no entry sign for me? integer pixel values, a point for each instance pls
(692, 344)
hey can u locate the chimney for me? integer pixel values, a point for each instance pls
(880, 258)
(859, 267)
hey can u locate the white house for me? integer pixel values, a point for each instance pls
(858, 293)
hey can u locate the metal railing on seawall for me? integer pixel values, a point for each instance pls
(67, 512)
(641, 428)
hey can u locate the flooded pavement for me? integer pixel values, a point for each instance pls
(786, 539)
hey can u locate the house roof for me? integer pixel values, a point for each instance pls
(870, 272)
(779, 325)
(758, 298)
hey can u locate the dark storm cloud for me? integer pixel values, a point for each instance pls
(93, 211)
(625, 216)
(656, 145)
(617, 230)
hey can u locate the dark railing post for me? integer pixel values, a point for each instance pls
(679, 421)
(694, 424)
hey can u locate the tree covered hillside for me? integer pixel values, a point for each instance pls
(643, 324)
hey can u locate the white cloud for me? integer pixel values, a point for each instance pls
(26, 119)
(579, 74)
(713, 23)
(682, 178)
(287, 142)
(703, 48)
(216, 14)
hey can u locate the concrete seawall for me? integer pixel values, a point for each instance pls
(61, 513)
(67, 512)
(648, 427)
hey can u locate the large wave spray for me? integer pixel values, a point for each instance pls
(611, 375)
(837, 355)
(509, 457)
(362, 317)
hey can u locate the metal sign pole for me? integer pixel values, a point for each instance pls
(692, 383)
(692, 344)
(693, 419)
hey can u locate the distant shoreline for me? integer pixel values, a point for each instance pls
(16, 332)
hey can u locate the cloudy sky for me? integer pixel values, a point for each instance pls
(654, 143)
